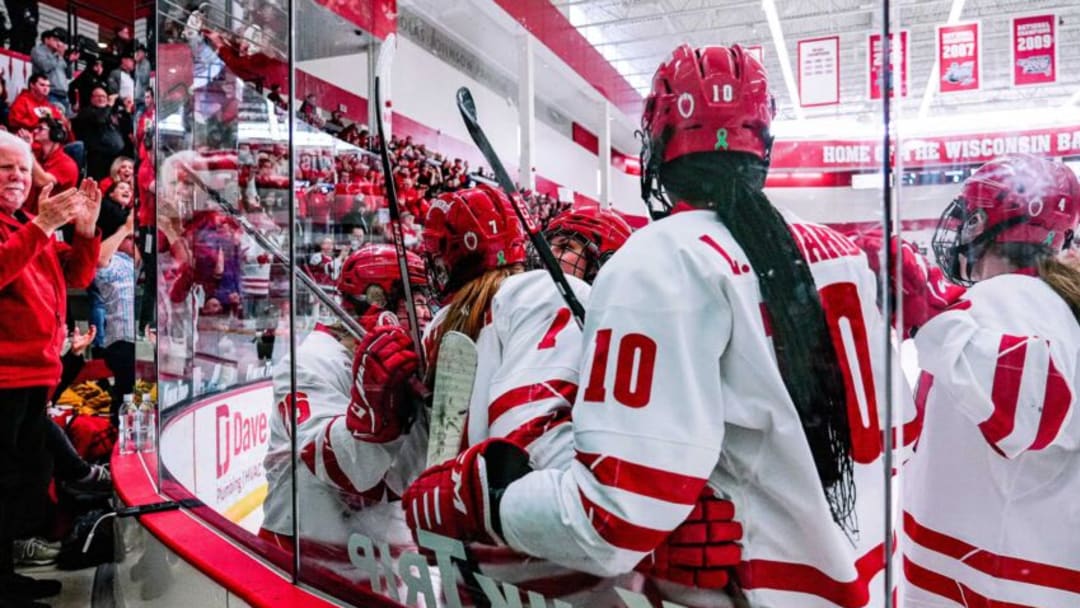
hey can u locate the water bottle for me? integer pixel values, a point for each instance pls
(148, 424)
(128, 421)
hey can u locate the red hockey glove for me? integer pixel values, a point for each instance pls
(460, 497)
(941, 293)
(914, 280)
(381, 409)
(703, 550)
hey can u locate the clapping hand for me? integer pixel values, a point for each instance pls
(87, 217)
(55, 211)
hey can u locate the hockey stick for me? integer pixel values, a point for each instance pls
(467, 107)
(454, 378)
(382, 67)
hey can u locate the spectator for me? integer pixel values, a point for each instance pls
(115, 282)
(115, 208)
(24, 24)
(49, 137)
(196, 21)
(336, 122)
(122, 170)
(122, 79)
(35, 271)
(48, 58)
(83, 85)
(33, 104)
(123, 44)
(5, 107)
(309, 112)
(141, 74)
(96, 126)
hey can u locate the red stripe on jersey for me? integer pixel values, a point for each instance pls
(528, 394)
(642, 480)
(619, 532)
(1010, 369)
(803, 578)
(997, 566)
(766, 319)
(1056, 406)
(954, 590)
(330, 463)
(535, 428)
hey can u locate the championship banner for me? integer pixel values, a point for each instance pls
(876, 64)
(939, 151)
(757, 52)
(819, 71)
(959, 56)
(1034, 50)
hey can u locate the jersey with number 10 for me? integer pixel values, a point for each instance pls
(680, 387)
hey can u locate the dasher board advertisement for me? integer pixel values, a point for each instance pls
(875, 54)
(959, 53)
(1034, 50)
(819, 71)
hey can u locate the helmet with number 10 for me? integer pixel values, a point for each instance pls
(1018, 199)
(711, 99)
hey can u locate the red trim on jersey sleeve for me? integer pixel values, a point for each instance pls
(535, 428)
(1056, 406)
(803, 578)
(641, 479)
(998, 566)
(529, 394)
(619, 532)
(330, 463)
(954, 590)
(1007, 376)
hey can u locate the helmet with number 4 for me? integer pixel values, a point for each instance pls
(711, 99)
(1017, 198)
(469, 232)
(598, 233)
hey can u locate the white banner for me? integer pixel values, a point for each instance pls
(819, 71)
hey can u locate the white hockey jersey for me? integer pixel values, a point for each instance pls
(682, 388)
(526, 381)
(992, 516)
(344, 485)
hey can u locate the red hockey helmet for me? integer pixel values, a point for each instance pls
(712, 99)
(377, 265)
(600, 231)
(469, 232)
(1017, 198)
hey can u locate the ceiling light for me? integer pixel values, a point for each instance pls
(773, 18)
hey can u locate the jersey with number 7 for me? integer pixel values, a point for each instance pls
(679, 388)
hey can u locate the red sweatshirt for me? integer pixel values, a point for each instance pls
(35, 272)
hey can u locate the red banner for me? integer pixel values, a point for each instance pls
(819, 71)
(972, 148)
(959, 57)
(1034, 50)
(875, 54)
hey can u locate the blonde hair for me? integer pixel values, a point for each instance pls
(115, 167)
(1062, 274)
(467, 311)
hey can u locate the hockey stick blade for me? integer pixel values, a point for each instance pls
(454, 378)
(467, 108)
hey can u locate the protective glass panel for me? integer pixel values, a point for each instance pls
(223, 258)
(988, 196)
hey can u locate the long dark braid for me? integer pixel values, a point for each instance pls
(731, 184)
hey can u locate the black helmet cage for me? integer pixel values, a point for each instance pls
(963, 233)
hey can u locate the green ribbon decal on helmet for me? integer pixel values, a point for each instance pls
(502, 258)
(721, 139)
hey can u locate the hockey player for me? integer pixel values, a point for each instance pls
(357, 447)
(583, 239)
(717, 356)
(990, 513)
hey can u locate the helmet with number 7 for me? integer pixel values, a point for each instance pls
(469, 232)
(1017, 198)
(598, 233)
(712, 99)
